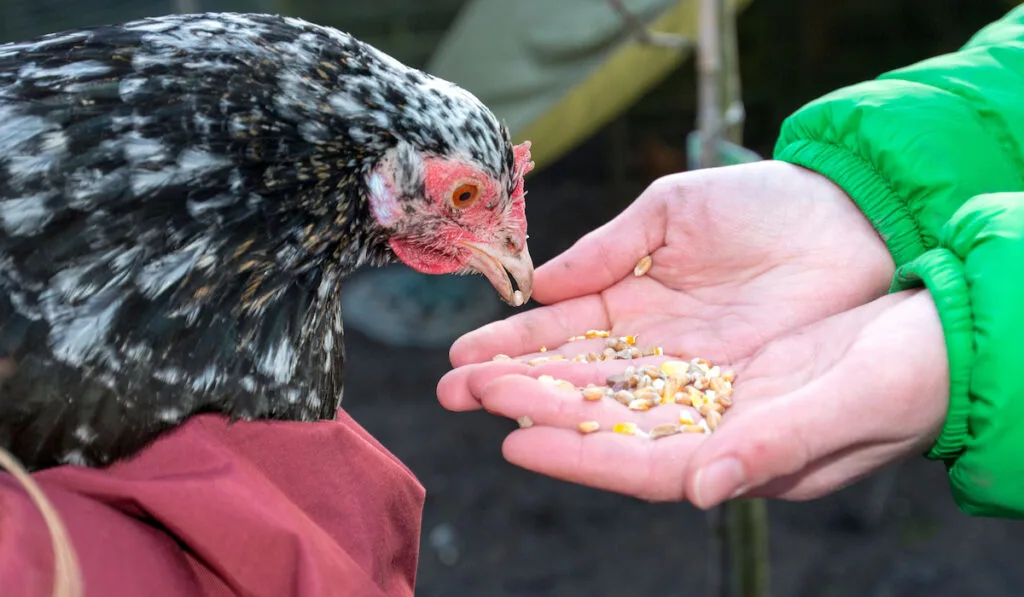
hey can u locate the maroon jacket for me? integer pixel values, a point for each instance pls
(210, 509)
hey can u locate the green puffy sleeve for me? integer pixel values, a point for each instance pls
(915, 144)
(934, 156)
(976, 278)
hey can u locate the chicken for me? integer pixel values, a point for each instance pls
(181, 199)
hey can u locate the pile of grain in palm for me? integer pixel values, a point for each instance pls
(695, 383)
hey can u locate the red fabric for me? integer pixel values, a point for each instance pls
(211, 509)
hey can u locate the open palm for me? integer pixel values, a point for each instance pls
(741, 256)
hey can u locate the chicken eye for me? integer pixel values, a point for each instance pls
(465, 195)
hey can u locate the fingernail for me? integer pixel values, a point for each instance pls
(718, 481)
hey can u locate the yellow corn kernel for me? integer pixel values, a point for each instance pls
(675, 368)
(625, 428)
(685, 418)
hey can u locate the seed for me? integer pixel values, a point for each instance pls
(596, 334)
(729, 376)
(543, 348)
(589, 426)
(685, 418)
(644, 381)
(625, 428)
(647, 395)
(652, 371)
(609, 353)
(525, 422)
(710, 395)
(675, 368)
(643, 266)
(665, 430)
(631, 340)
(658, 385)
(682, 398)
(546, 379)
(716, 384)
(593, 394)
(501, 357)
(537, 361)
(709, 407)
(725, 401)
(693, 428)
(714, 418)
(653, 351)
(703, 424)
(624, 397)
(638, 404)
(696, 397)
(593, 357)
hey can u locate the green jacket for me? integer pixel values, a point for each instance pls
(934, 156)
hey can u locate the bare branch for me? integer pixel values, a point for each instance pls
(646, 36)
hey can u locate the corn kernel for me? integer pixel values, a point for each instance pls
(665, 430)
(638, 404)
(625, 428)
(589, 426)
(675, 368)
(685, 418)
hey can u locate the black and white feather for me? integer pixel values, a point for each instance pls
(180, 199)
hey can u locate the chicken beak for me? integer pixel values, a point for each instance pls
(501, 266)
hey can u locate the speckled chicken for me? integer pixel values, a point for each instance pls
(181, 199)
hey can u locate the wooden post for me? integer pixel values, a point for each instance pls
(738, 556)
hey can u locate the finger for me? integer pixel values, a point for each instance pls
(528, 331)
(830, 414)
(515, 396)
(458, 389)
(648, 469)
(834, 472)
(605, 255)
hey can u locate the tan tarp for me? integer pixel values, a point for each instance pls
(558, 70)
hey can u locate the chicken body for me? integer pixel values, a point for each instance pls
(180, 200)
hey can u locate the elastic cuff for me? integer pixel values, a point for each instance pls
(872, 193)
(942, 273)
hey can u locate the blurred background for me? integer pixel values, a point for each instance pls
(607, 116)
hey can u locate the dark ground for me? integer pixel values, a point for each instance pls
(500, 531)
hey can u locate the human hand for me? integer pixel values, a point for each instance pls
(812, 411)
(742, 255)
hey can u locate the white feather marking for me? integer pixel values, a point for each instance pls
(169, 415)
(73, 70)
(169, 375)
(78, 333)
(161, 274)
(279, 361)
(196, 162)
(85, 434)
(16, 130)
(25, 215)
(74, 458)
(207, 380)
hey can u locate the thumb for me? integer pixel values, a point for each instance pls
(607, 254)
(903, 398)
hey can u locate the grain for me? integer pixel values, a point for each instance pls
(643, 266)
